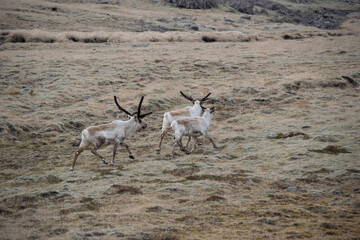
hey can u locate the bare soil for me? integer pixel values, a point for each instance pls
(287, 120)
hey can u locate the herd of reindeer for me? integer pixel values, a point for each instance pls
(184, 122)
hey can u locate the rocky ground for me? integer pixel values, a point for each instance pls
(287, 121)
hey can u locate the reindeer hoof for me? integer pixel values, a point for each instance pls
(131, 156)
(71, 169)
(105, 162)
(158, 151)
(216, 147)
(111, 164)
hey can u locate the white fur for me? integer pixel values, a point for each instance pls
(169, 117)
(192, 127)
(115, 133)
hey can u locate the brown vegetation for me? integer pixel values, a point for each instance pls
(268, 79)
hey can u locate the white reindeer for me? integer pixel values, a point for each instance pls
(188, 111)
(113, 133)
(192, 127)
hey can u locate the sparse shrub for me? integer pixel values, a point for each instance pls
(215, 198)
(5, 212)
(208, 39)
(125, 189)
(95, 39)
(194, 4)
(331, 149)
(232, 178)
(16, 38)
(291, 134)
(183, 171)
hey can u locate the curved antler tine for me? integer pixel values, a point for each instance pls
(120, 108)
(139, 107)
(144, 115)
(188, 98)
(205, 98)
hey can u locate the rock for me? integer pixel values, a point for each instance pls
(351, 81)
(327, 138)
(272, 135)
(247, 17)
(291, 189)
(244, 6)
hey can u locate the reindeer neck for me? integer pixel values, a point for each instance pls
(207, 116)
(196, 109)
(131, 126)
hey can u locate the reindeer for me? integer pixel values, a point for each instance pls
(113, 133)
(192, 127)
(188, 111)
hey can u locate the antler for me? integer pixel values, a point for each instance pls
(144, 115)
(188, 98)
(139, 109)
(120, 108)
(205, 98)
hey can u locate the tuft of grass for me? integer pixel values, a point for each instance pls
(183, 171)
(84, 207)
(51, 179)
(331, 149)
(232, 178)
(215, 198)
(126, 189)
(291, 134)
(5, 212)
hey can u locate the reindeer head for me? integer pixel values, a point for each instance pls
(209, 111)
(137, 116)
(196, 102)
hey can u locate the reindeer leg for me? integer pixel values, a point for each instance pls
(187, 144)
(210, 139)
(173, 149)
(114, 153)
(193, 148)
(77, 153)
(128, 149)
(182, 148)
(94, 151)
(161, 139)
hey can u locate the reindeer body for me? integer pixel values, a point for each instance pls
(192, 127)
(115, 133)
(187, 112)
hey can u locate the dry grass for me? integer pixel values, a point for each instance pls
(253, 187)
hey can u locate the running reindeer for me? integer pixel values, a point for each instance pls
(113, 133)
(188, 111)
(192, 127)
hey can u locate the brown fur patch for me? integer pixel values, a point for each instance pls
(187, 121)
(103, 127)
(183, 112)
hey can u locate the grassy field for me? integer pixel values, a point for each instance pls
(286, 119)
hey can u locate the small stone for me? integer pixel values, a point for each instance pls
(291, 189)
(272, 135)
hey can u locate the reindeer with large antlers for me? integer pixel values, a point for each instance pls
(186, 112)
(192, 127)
(113, 133)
